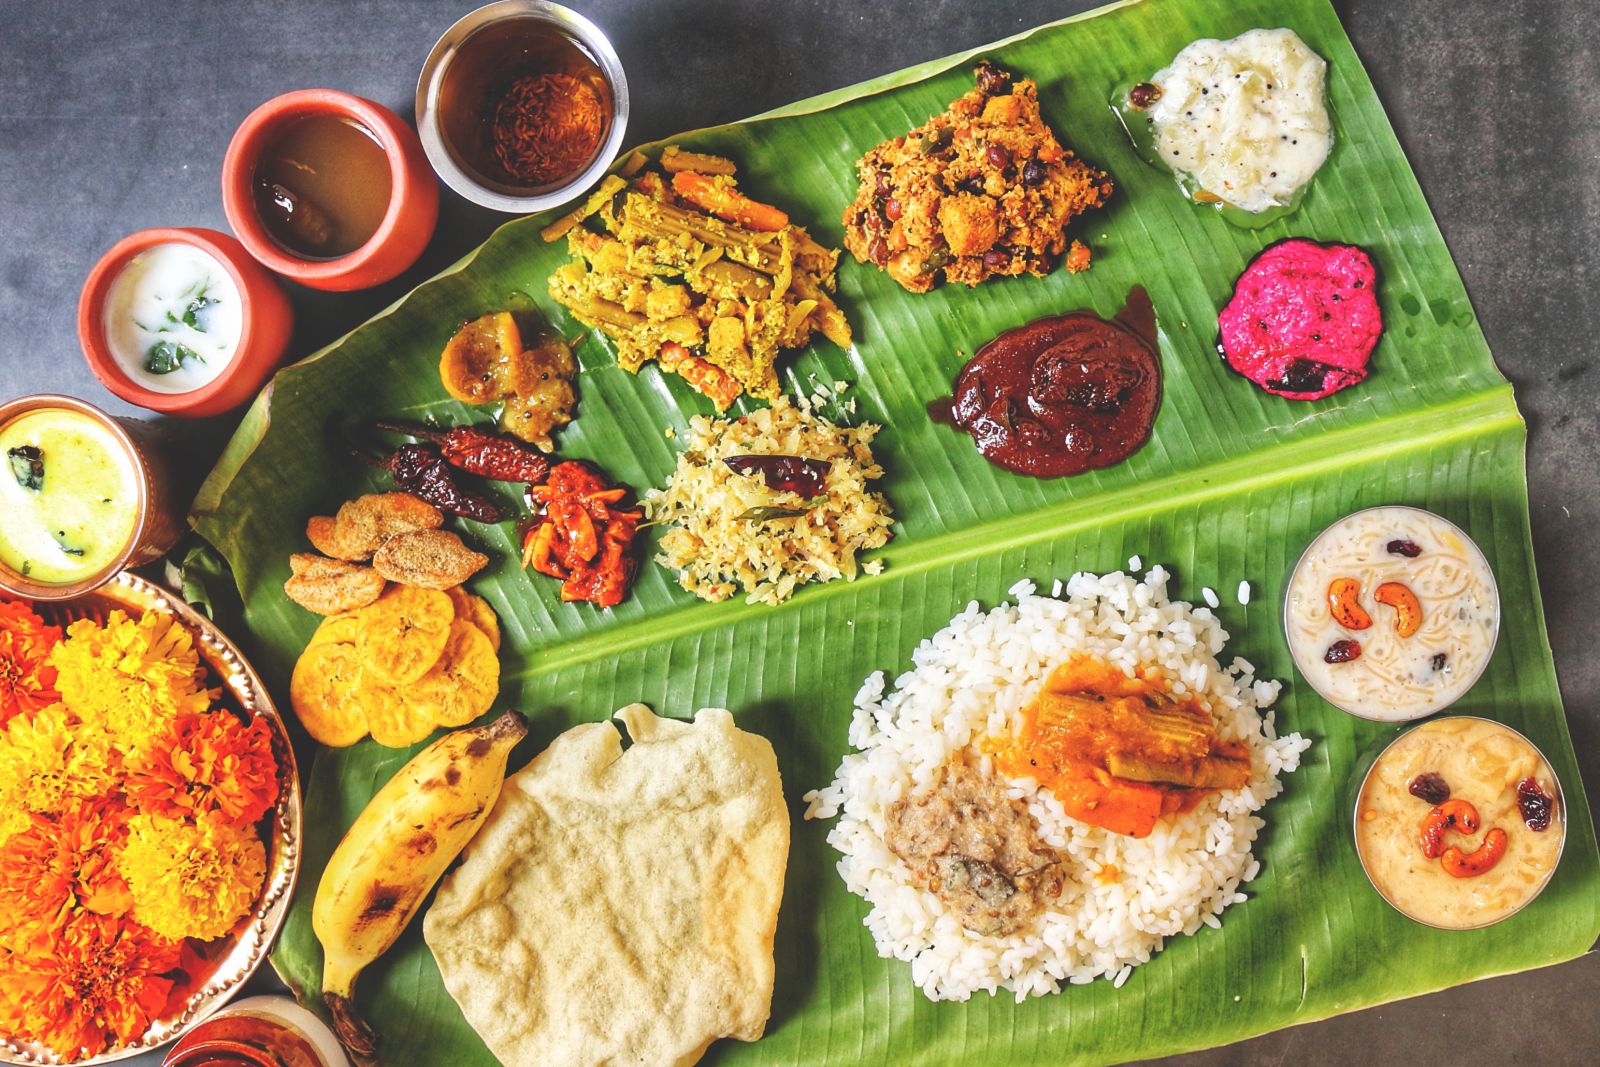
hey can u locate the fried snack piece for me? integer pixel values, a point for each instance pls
(476, 610)
(394, 718)
(462, 685)
(330, 586)
(323, 533)
(983, 189)
(403, 634)
(338, 629)
(365, 523)
(428, 559)
(325, 693)
(619, 907)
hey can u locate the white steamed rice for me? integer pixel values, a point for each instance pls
(971, 680)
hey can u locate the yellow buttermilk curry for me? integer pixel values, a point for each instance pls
(1120, 752)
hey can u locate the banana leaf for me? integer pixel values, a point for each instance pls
(1232, 485)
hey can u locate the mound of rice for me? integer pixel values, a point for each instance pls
(1125, 896)
(731, 530)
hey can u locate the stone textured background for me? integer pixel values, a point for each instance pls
(114, 117)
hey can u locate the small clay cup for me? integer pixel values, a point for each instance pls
(267, 321)
(413, 192)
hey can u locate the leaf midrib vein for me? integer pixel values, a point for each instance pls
(1467, 416)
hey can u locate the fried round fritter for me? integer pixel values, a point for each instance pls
(324, 691)
(323, 533)
(428, 559)
(476, 610)
(365, 523)
(463, 684)
(331, 586)
(403, 634)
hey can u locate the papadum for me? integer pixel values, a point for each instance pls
(619, 906)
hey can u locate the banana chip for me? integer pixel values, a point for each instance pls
(395, 720)
(463, 684)
(477, 611)
(324, 691)
(413, 661)
(404, 632)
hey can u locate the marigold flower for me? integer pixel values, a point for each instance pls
(191, 878)
(99, 985)
(205, 764)
(54, 867)
(130, 679)
(27, 681)
(47, 759)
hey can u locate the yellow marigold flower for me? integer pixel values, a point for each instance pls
(45, 760)
(191, 878)
(130, 679)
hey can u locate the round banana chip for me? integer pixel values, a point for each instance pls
(337, 629)
(324, 692)
(477, 611)
(403, 633)
(463, 684)
(395, 719)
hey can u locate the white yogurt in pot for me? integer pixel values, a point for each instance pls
(172, 318)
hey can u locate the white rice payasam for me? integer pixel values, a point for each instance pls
(1379, 671)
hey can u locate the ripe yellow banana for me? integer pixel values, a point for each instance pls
(396, 850)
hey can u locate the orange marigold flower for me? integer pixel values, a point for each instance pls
(130, 679)
(208, 763)
(99, 985)
(27, 681)
(55, 867)
(191, 878)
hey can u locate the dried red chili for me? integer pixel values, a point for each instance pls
(546, 127)
(421, 470)
(785, 474)
(583, 537)
(488, 455)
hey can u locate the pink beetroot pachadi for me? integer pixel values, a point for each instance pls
(1303, 319)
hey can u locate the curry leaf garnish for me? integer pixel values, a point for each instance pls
(27, 466)
(165, 357)
(766, 513)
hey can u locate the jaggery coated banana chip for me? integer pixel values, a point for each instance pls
(365, 523)
(324, 693)
(463, 684)
(331, 586)
(403, 633)
(477, 611)
(429, 559)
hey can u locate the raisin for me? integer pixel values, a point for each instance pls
(992, 81)
(1430, 788)
(1032, 173)
(1438, 661)
(1403, 547)
(998, 155)
(1143, 95)
(1536, 805)
(1342, 652)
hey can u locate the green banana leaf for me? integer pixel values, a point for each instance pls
(1232, 485)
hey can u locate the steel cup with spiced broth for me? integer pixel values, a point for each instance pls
(522, 105)
(83, 496)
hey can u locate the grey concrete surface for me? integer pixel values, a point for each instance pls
(114, 116)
